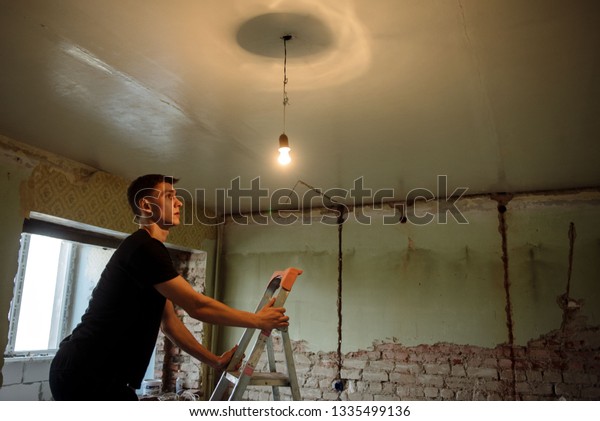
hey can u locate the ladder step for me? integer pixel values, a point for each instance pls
(262, 379)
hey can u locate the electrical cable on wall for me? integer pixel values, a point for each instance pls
(338, 383)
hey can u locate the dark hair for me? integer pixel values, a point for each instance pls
(143, 186)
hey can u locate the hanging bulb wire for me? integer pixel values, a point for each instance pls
(284, 147)
(286, 100)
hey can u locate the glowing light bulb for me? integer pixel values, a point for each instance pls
(284, 150)
(284, 156)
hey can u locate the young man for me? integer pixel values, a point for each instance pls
(106, 356)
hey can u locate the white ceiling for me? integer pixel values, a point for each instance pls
(499, 95)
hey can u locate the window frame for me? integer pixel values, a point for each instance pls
(74, 235)
(62, 297)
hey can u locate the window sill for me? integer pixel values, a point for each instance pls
(29, 357)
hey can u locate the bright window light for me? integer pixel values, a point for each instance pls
(53, 286)
(38, 297)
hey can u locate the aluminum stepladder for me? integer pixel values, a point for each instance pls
(246, 376)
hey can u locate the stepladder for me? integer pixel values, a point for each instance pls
(234, 382)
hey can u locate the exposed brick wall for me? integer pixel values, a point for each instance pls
(26, 379)
(563, 364)
(171, 362)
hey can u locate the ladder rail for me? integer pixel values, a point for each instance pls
(272, 367)
(291, 367)
(249, 333)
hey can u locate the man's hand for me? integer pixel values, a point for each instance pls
(223, 360)
(272, 317)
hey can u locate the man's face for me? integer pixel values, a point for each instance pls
(162, 205)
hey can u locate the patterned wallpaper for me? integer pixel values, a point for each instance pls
(95, 198)
(98, 199)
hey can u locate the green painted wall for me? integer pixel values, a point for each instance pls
(254, 252)
(424, 284)
(539, 253)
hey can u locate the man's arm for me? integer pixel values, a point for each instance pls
(206, 309)
(176, 331)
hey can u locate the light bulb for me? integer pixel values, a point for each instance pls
(284, 156)
(284, 150)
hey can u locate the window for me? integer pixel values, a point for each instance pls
(36, 315)
(52, 289)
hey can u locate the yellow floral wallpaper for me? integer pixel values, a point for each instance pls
(66, 189)
(97, 199)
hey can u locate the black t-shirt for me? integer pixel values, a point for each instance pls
(118, 331)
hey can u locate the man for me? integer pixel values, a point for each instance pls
(106, 355)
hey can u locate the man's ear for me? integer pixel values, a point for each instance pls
(144, 205)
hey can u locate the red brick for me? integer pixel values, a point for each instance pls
(579, 378)
(382, 365)
(569, 391)
(543, 354)
(534, 376)
(459, 370)
(402, 378)
(447, 394)
(490, 362)
(552, 376)
(542, 389)
(355, 364)
(430, 380)
(395, 355)
(350, 374)
(407, 368)
(490, 373)
(437, 368)
(431, 392)
(374, 355)
(377, 375)
(592, 393)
